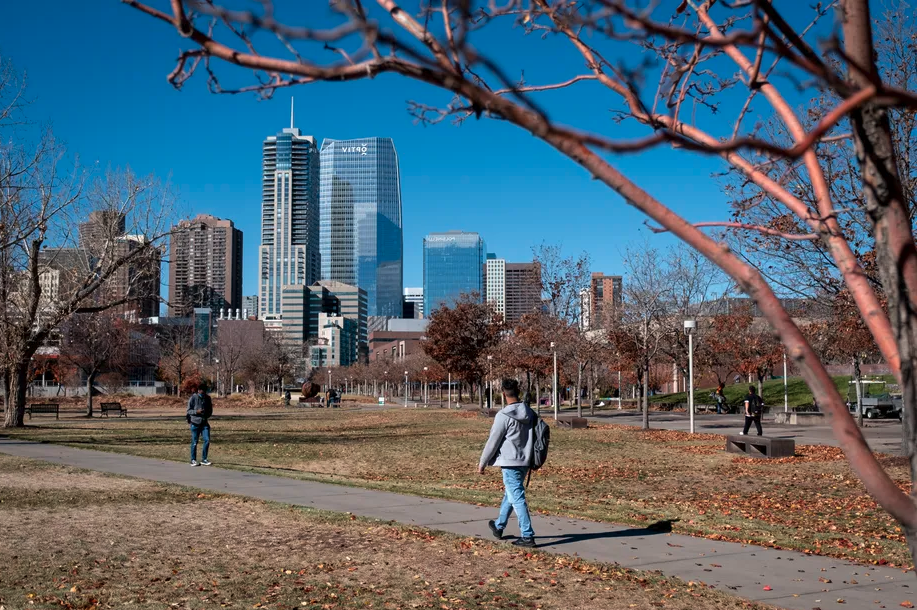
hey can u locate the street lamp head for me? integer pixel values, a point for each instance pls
(425, 368)
(552, 345)
(690, 326)
(490, 357)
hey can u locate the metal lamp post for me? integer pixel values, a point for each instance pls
(490, 381)
(329, 380)
(405, 389)
(786, 395)
(449, 390)
(690, 327)
(554, 381)
(425, 386)
(384, 384)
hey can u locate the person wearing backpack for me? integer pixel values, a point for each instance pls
(754, 406)
(200, 409)
(511, 446)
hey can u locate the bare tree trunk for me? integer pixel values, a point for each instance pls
(761, 386)
(646, 396)
(537, 395)
(16, 381)
(590, 389)
(579, 387)
(89, 379)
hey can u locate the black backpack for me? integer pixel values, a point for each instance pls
(542, 434)
(756, 404)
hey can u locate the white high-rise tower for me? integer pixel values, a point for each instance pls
(289, 252)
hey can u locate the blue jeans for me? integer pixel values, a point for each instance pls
(200, 431)
(514, 498)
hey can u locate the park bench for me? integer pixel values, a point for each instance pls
(761, 446)
(572, 422)
(108, 407)
(46, 409)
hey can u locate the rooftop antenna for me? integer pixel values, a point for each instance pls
(291, 113)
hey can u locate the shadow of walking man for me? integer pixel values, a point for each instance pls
(659, 527)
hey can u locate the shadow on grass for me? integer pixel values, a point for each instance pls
(660, 527)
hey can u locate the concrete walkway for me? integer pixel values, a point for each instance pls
(795, 580)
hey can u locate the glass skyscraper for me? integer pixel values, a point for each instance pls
(289, 252)
(361, 233)
(453, 264)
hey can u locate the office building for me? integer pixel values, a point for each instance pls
(495, 284)
(301, 307)
(512, 288)
(361, 230)
(289, 252)
(413, 303)
(205, 266)
(336, 344)
(394, 345)
(453, 265)
(104, 237)
(250, 306)
(605, 295)
(352, 303)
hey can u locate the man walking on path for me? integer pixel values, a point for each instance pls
(510, 446)
(754, 405)
(200, 408)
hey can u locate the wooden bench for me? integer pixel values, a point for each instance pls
(761, 446)
(46, 409)
(572, 422)
(107, 407)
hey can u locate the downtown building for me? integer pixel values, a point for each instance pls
(135, 285)
(301, 324)
(453, 265)
(514, 289)
(205, 267)
(605, 295)
(361, 226)
(413, 303)
(289, 252)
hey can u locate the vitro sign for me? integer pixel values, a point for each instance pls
(354, 149)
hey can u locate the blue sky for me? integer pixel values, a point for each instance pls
(97, 72)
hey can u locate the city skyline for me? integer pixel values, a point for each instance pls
(448, 174)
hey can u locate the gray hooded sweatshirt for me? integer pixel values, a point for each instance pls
(511, 441)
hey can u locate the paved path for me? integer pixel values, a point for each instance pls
(883, 435)
(794, 578)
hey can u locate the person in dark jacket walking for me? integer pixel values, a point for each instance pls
(200, 408)
(754, 406)
(510, 446)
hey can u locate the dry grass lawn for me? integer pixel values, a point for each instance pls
(812, 502)
(74, 539)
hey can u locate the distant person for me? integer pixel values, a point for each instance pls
(720, 399)
(286, 398)
(200, 408)
(754, 406)
(510, 446)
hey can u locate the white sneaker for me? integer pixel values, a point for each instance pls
(194, 463)
(206, 463)
(741, 434)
